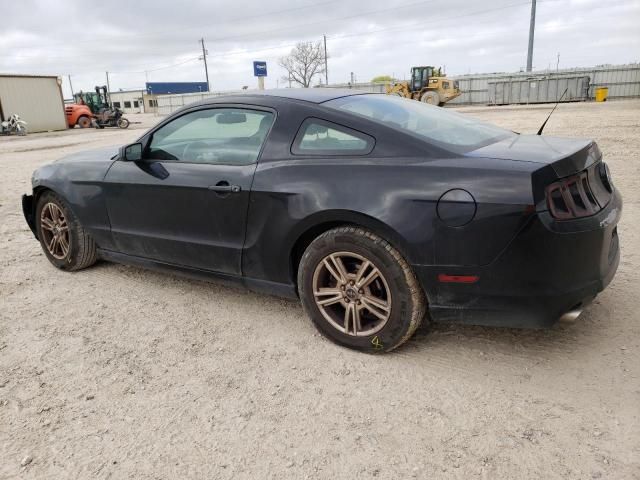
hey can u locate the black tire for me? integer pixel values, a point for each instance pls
(123, 123)
(81, 247)
(407, 302)
(431, 97)
(83, 122)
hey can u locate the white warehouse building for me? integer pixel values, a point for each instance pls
(134, 101)
(129, 101)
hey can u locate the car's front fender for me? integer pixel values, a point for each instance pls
(29, 212)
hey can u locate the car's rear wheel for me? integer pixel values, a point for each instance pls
(65, 243)
(359, 291)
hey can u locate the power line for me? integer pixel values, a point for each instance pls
(371, 32)
(158, 68)
(242, 18)
(278, 29)
(332, 20)
(420, 24)
(305, 25)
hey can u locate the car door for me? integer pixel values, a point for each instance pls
(185, 203)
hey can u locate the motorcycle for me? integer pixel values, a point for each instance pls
(13, 125)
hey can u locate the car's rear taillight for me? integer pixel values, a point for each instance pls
(571, 197)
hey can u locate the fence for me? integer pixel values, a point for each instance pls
(170, 103)
(623, 81)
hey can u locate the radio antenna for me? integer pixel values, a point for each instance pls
(554, 109)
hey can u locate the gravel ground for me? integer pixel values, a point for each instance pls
(118, 372)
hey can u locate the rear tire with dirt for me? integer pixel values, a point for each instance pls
(430, 97)
(63, 239)
(359, 291)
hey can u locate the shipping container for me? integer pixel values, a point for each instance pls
(538, 90)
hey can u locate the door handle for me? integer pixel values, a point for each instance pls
(224, 187)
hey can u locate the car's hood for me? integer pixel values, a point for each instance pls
(566, 155)
(102, 154)
(87, 166)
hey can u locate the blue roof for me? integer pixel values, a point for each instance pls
(163, 88)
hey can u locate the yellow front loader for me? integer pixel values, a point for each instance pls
(427, 85)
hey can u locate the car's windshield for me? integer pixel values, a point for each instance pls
(449, 130)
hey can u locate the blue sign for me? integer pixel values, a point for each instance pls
(259, 69)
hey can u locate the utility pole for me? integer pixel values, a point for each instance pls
(558, 62)
(326, 68)
(204, 57)
(532, 27)
(108, 91)
(70, 85)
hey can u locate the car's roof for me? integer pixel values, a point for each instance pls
(313, 95)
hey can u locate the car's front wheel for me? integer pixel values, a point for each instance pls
(359, 291)
(84, 122)
(65, 243)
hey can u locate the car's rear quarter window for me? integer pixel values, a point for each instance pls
(320, 137)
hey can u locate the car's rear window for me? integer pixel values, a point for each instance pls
(443, 128)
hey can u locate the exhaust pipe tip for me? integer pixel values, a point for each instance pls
(571, 315)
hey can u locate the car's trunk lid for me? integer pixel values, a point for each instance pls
(565, 155)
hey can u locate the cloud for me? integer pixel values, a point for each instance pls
(159, 40)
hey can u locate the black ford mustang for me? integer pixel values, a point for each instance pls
(376, 211)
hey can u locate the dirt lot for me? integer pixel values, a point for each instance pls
(117, 372)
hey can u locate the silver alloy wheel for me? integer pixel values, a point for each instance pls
(352, 294)
(55, 230)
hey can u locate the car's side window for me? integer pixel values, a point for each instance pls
(224, 136)
(319, 137)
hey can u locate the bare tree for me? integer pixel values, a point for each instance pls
(305, 61)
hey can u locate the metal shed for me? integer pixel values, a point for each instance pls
(37, 99)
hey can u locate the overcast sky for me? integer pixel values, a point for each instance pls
(369, 38)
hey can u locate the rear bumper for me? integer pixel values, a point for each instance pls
(549, 269)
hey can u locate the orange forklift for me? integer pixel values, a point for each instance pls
(94, 109)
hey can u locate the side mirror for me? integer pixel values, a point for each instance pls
(131, 153)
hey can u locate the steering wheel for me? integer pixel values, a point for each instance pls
(190, 152)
